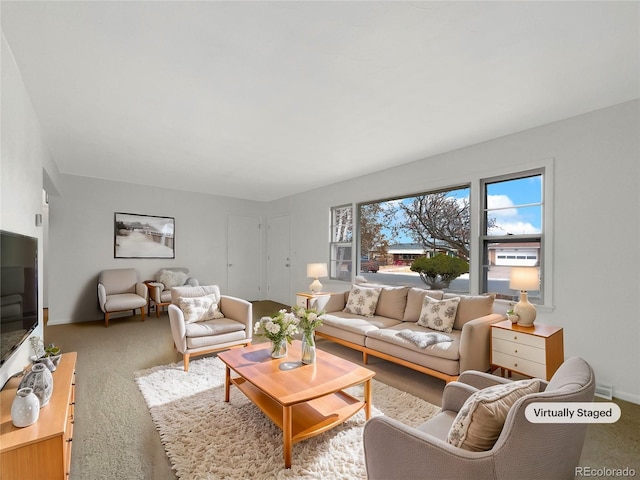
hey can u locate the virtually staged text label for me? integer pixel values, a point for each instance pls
(572, 412)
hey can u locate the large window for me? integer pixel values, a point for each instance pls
(512, 230)
(341, 242)
(506, 215)
(394, 233)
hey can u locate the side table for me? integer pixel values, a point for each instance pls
(535, 351)
(305, 299)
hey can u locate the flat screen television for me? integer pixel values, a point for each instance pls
(18, 290)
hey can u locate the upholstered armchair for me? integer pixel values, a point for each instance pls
(523, 449)
(166, 279)
(203, 321)
(119, 290)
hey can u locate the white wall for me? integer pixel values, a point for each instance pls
(596, 230)
(23, 155)
(81, 221)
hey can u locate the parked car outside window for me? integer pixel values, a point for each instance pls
(369, 266)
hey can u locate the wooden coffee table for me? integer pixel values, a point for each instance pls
(302, 400)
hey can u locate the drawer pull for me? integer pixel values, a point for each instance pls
(515, 351)
(515, 337)
(70, 440)
(515, 365)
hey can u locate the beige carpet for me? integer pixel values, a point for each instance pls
(206, 438)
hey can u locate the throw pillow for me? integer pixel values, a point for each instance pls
(170, 279)
(472, 307)
(415, 297)
(480, 420)
(362, 301)
(438, 314)
(197, 309)
(392, 302)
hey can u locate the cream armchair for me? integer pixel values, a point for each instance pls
(119, 290)
(166, 279)
(523, 450)
(203, 321)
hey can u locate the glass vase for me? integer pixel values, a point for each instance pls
(308, 348)
(279, 348)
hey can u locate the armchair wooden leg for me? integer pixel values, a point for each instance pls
(365, 357)
(142, 313)
(106, 319)
(185, 359)
(157, 310)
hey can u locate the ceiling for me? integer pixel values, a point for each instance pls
(262, 100)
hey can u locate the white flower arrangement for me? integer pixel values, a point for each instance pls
(280, 326)
(309, 319)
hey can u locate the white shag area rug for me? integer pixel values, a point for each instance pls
(206, 438)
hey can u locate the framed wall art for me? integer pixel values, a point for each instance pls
(143, 236)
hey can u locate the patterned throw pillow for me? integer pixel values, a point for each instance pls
(197, 309)
(438, 314)
(362, 301)
(480, 420)
(169, 278)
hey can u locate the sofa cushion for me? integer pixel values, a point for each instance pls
(438, 315)
(218, 326)
(355, 323)
(391, 336)
(480, 420)
(392, 302)
(363, 300)
(170, 278)
(198, 309)
(471, 307)
(415, 298)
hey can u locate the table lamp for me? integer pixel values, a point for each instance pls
(524, 279)
(316, 270)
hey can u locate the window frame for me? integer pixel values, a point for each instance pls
(334, 244)
(452, 187)
(474, 181)
(544, 237)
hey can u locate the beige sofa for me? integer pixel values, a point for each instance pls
(397, 311)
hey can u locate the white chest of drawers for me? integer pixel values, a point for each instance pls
(535, 351)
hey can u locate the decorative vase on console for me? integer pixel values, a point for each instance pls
(309, 320)
(40, 380)
(25, 408)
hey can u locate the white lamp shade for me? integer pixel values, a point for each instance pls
(317, 270)
(524, 278)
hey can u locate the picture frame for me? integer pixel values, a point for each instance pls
(143, 236)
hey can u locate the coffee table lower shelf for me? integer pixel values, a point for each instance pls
(307, 419)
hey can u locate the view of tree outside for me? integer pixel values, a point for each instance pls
(395, 232)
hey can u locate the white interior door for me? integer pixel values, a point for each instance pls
(244, 257)
(278, 260)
